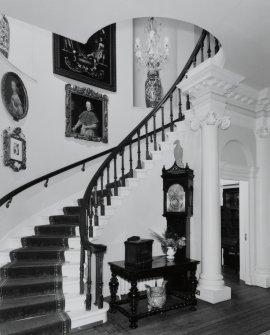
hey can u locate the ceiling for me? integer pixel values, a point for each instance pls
(242, 26)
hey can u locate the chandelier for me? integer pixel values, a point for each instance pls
(154, 54)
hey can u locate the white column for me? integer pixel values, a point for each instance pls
(208, 116)
(209, 86)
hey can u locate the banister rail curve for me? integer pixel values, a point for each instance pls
(7, 199)
(92, 207)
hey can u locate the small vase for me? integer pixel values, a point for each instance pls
(152, 89)
(170, 254)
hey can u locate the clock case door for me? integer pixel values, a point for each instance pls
(179, 221)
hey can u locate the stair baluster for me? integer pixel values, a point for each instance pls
(82, 261)
(216, 45)
(139, 163)
(95, 207)
(102, 207)
(108, 186)
(115, 177)
(171, 113)
(123, 178)
(194, 61)
(209, 45)
(147, 153)
(130, 161)
(202, 52)
(162, 125)
(99, 279)
(89, 226)
(155, 132)
(88, 300)
(180, 114)
(187, 103)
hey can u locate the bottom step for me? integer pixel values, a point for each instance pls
(52, 324)
(80, 317)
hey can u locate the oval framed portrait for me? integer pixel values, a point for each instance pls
(14, 95)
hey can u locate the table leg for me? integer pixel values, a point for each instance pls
(193, 284)
(113, 289)
(133, 295)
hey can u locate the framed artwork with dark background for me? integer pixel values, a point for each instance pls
(86, 114)
(93, 63)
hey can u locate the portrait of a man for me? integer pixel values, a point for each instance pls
(88, 121)
(86, 114)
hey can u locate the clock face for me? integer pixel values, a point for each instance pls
(176, 199)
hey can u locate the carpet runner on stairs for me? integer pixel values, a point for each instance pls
(31, 296)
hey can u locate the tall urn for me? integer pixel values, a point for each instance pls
(153, 88)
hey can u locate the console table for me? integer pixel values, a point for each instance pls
(159, 267)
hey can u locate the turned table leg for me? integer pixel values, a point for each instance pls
(113, 289)
(193, 284)
(133, 295)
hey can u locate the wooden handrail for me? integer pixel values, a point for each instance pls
(9, 196)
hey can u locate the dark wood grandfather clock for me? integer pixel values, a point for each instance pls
(178, 202)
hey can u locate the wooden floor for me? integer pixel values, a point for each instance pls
(247, 313)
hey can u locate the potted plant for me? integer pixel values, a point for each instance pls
(170, 242)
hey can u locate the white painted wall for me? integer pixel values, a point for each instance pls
(44, 126)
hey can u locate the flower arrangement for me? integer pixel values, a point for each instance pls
(154, 56)
(169, 239)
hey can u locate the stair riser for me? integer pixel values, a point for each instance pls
(52, 230)
(24, 272)
(44, 242)
(71, 210)
(37, 256)
(31, 290)
(67, 219)
(27, 311)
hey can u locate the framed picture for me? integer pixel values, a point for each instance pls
(93, 63)
(14, 149)
(86, 114)
(14, 95)
(4, 35)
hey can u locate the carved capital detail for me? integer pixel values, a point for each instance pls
(210, 119)
(263, 131)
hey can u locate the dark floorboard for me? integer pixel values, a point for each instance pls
(247, 313)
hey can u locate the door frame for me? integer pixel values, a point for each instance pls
(246, 177)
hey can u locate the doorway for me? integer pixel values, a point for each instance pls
(230, 227)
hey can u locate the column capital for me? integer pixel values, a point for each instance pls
(209, 87)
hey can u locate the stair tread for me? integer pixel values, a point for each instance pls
(10, 282)
(22, 264)
(31, 324)
(41, 248)
(55, 236)
(29, 300)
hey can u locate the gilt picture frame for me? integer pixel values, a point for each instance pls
(86, 114)
(93, 63)
(14, 145)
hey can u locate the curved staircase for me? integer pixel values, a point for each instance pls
(41, 282)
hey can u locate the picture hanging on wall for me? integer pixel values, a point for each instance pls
(14, 95)
(4, 35)
(86, 114)
(93, 63)
(14, 149)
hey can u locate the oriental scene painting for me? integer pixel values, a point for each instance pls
(86, 114)
(14, 96)
(92, 63)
